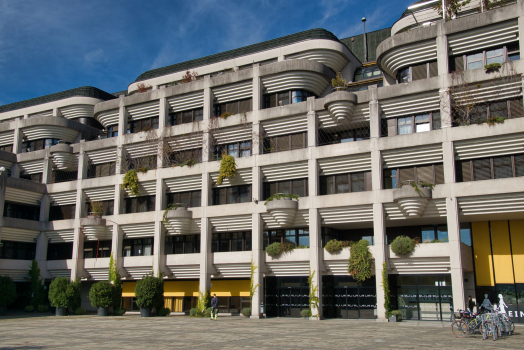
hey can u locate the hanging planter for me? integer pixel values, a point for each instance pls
(283, 208)
(177, 218)
(413, 198)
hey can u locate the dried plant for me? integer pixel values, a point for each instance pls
(189, 77)
(143, 87)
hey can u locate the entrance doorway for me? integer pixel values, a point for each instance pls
(286, 296)
(343, 297)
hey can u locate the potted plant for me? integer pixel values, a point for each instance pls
(395, 316)
(7, 292)
(246, 312)
(339, 83)
(282, 207)
(147, 294)
(101, 296)
(403, 245)
(305, 314)
(58, 295)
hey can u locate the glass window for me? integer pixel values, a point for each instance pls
(232, 195)
(481, 169)
(224, 242)
(425, 173)
(422, 123)
(406, 174)
(495, 56)
(298, 187)
(498, 109)
(284, 187)
(245, 149)
(404, 75)
(474, 61)
(436, 121)
(428, 234)
(232, 150)
(342, 183)
(326, 185)
(283, 98)
(303, 238)
(405, 126)
(519, 165)
(297, 96)
(502, 167)
(442, 233)
(195, 198)
(290, 236)
(357, 182)
(245, 194)
(236, 242)
(390, 178)
(198, 114)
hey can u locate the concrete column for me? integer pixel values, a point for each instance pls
(207, 152)
(80, 204)
(206, 256)
(3, 180)
(376, 170)
(374, 119)
(163, 109)
(257, 88)
(47, 173)
(520, 8)
(117, 241)
(442, 54)
(122, 121)
(119, 200)
(119, 159)
(205, 199)
(256, 186)
(159, 261)
(82, 166)
(312, 128)
(313, 178)
(257, 141)
(445, 108)
(17, 140)
(315, 258)
(45, 204)
(208, 98)
(41, 248)
(455, 256)
(379, 230)
(15, 170)
(259, 261)
(448, 157)
(78, 248)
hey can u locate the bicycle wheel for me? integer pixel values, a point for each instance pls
(511, 327)
(460, 329)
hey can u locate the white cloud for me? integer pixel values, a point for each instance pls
(95, 56)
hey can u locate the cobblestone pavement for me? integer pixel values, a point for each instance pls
(134, 332)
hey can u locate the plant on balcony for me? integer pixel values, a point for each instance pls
(190, 162)
(130, 182)
(142, 169)
(360, 264)
(143, 87)
(274, 249)
(96, 208)
(280, 196)
(313, 294)
(7, 292)
(453, 7)
(225, 115)
(58, 294)
(189, 77)
(385, 286)
(301, 246)
(287, 247)
(417, 185)
(403, 245)
(37, 288)
(252, 286)
(228, 168)
(101, 295)
(492, 67)
(338, 82)
(333, 246)
(495, 120)
(436, 240)
(171, 206)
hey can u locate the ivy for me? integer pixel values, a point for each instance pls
(252, 286)
(313, 291)
(130, 182)
(360, 265)
(171, 206)
(204, 300)
(385, 285)
(228, 168)
(280, 196)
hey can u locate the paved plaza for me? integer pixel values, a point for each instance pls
(177, 332)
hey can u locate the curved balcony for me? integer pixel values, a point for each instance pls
(340, 105)
(411, 201)
(178, 220)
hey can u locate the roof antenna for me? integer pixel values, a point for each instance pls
(365, 43)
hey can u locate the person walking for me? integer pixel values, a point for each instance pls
(471, 304)
(451, 309)
(214, 305)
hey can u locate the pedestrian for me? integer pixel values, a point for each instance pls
(214, 305)
(471, 304)
(451, 308)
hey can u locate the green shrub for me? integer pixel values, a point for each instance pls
(74, 294)
(208, 312)
(29, 308)
(80, 311)
(246, 311)
(119, 311)
(58, 292)
(42, 308)
(277, 196)
(305, 313)
(287, 247)
(403, 245)
(492, 67)
(228, 168)
(164, 311)
(395, 313)
(37, 288)
(193, 312)
(360, 264)
(225, 115)
(334, 246)
(148, 290)
(7, 291)
(130, 182)
(274, 249)
(101, 294)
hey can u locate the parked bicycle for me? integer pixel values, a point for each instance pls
(467, 323)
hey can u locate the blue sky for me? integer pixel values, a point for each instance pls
(55, 45)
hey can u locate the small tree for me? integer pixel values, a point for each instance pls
(58, 292)
(228, 168)
(101, 294)
(313, 291)
(338, 81)
(74, 294)
(146, 291)
(116, 282)
(37, 289)
(7, 291)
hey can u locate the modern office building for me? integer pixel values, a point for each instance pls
(420, 106)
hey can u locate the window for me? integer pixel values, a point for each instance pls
(490, 168)
(112, 131)
(299, 237)
(236, 150)
(423, 173)
(231, 242)
(513, 52)
(138, 247)
(474, 61)
(139, 204)
(231, 195)
(479, 59)
(286, 97)
(490, 110)
(345, 183)
(108, 207)
(97, 249)
(101, 170)
(17, 250)
(422, 123)
(59, 251)
(187, 244)
(32, 177)
(325, 138)
(404, 75)
(190, 198)
(142, 125)
(233, 107)
(186, 116)
(427, 234)
(36, 145)
(21, 211)
(367, 73)
(495, 56)
(405, 126)
(298, 187)
(353, 235)
(414, 123)
(285, 142)
(62, 212)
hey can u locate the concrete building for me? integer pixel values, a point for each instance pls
(420, 106)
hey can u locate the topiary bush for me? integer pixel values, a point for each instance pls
(193, 312)
(7, 291)
(147, 291)
(101, 294)
(80, 311)
(29, 308)
(164, 311)
(119, 311)
(246, 311)
(305, 313)
(274, 249)
(360, 264)
(403, 245)
(333, 246)
(58, 292)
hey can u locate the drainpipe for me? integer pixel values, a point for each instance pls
(365, 43)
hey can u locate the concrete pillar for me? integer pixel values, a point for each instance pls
(257, 140)
(448, 157)
(17, 140)
(117, 241)
(122, 121)
(41, 248)
(159, 261)
(119, 159)
(82, 166)
(78, 249)
(259, 261)
(45, 204)
(208, 98)
(163, 114)
(256, 186)
(47, 173)
(312, 128)
(455, 257)
(379, 230)
(80, 204)
(206, 256)
(119, 200)
(446, 116)
(207, 144)
(442, 54)
(520, 8)
(376, 170)
(15, 170)
(374, 119)
(3, 180)
(315, 258)
(257, 88)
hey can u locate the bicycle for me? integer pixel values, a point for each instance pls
(468, 323)
(509, 326)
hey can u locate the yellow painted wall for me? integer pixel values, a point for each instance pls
(501, 252)
(128, 289)
(181, 288)
(517, 246)
(482, 253)
(230, 288)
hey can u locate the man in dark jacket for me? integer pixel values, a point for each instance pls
(214, 305)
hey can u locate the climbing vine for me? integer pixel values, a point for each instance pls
(252, 286)
(360, 264)
(228, 168)
(130, 182)
(171, 206)
(313, 291)
(385, 285)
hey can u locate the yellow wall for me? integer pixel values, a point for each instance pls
(230, 288)
(501, 252)
(128, 289)
(517, 247)
(181, 288)
(482, 253)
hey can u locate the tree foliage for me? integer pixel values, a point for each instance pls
(385, 285)
(403, 245)
(148, 290)
(252, 286)
(74, 294)
(228, 168)
(452, 9)
(313, 294)
(360, 264)
(58, 292)
(101, 294)
(7, 291)
(130, 182)
(37, 288)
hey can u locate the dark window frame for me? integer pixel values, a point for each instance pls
(21, 211)
(14, 250)
(272, 100)
(97, 249)
(134, 243)
(396, 175)
(175, 198)
(145, 124)
(130, 207)
(62, 212)
(272, 236)
(219, 240)
(60, 251)
(267, 187)
(270, 141)
(459, 176)
(224, 148)
(176, 118)
(170, 244)
(225, 107)
(218, 192)
(334, 187)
